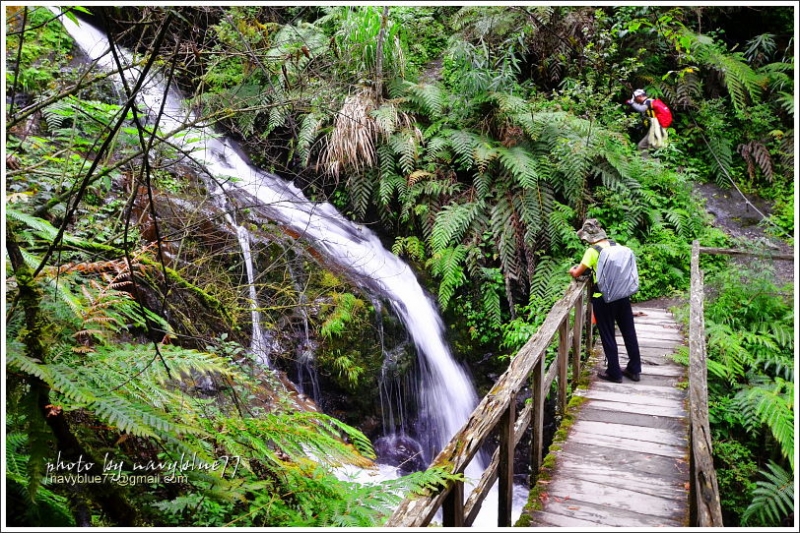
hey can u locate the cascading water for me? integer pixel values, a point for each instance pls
(446, 394)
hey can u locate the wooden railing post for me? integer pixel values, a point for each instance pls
(537, 418)
(453, 506)
(505, 488)
(563, 354)
(588, 319)
(577, 338)
(704, 503)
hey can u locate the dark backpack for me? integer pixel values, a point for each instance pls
(662, 113)
(617, 274)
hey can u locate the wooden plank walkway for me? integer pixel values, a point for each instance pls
(625, 461)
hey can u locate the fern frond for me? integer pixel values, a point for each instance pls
(464, 143)
(448, 263)
(535, 207)
(277, 118)
(720, 150)
(773, 407)
(725, 347)
(429, 98)
(786, 101)
(60, 112)
(413, 247)
(491, 298)
(773, 499)
(406, 145)
(744, 84)
(40, 503)
(309, 129)
(386, 119)
(484, 153)
(360, 185)
(390, 186)
(507, 233)
(519, 163)
(451, 224)
(546, 285)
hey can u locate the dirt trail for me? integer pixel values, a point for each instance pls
(740, 218)
(744, 220)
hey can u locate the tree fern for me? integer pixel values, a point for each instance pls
(744, 84)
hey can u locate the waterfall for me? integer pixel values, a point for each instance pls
(446, 394)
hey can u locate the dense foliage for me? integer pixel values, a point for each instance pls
(474, 139)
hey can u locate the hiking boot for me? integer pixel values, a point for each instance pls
(630, 375)
(604, 375)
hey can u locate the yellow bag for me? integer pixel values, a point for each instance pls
(657, 136)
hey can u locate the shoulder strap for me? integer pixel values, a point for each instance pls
(599, 248)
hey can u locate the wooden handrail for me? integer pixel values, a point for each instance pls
(497, 413)
(704, 504)
(705, 508)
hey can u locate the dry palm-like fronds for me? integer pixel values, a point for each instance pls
(351, 143)
(756, 155)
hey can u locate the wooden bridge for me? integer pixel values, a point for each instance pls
(635, 453)
(625, 461)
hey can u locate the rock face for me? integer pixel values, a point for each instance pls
(401, 451)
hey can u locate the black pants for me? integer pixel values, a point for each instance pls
(621, 313)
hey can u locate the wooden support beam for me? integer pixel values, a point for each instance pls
(505, 488)
(730, 251)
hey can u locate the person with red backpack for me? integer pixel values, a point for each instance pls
(657, 118)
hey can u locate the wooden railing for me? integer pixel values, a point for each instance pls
(705, 510)
(704, 506)
(570, 322)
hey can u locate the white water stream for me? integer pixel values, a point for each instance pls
(446, 394)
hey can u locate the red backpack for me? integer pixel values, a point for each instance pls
(661, 112)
